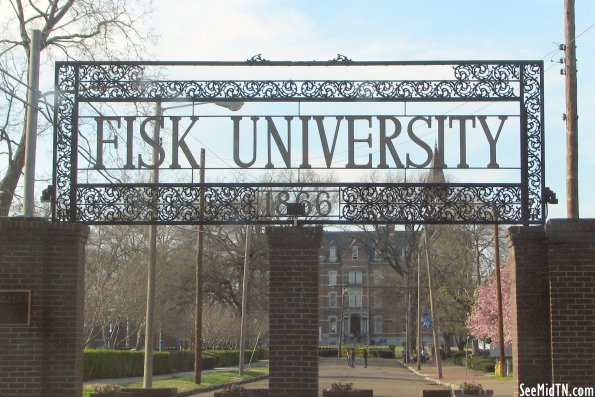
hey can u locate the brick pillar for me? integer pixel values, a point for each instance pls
(530, 306)
(571, 253)
(43, 358)
(293, 310)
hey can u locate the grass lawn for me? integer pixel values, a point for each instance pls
(187, 382)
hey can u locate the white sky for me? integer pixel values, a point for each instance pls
(398, 30)
(402, 30)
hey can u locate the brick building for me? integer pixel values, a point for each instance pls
(358, 285)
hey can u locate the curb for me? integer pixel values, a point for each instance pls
(188, 393)
(429, 378)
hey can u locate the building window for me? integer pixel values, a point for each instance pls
(332, 325)
(355, 278)
(355, 299)
(364, 325)
(355, 252)
(332, 299)
(332, 255)
(332, 278)
(378, 324)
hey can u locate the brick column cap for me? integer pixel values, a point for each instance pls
(570, 226)
(22, 224)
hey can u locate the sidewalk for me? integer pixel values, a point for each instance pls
(385, 376)
(454, 375)
(388, 378)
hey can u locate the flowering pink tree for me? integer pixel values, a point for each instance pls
(483, 319)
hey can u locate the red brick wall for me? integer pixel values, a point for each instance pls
(44, 358)
(571, 253)
(293, 310)
(553, 303)
(530, 306)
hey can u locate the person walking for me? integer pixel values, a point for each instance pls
(365, 355)
(351, 357)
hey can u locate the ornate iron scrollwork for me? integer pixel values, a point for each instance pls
(341, 59)
(519, 82)
(431, 204)
(298, 90)
(257, 58)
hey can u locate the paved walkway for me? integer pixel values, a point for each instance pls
(454, 375)
(388, 378)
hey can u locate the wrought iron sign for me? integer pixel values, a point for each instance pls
(298, 141)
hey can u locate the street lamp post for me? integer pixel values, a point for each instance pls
(343, 294)
(151, 278)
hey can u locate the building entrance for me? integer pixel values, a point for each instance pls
(355, 327)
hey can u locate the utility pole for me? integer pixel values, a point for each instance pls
(407, 320)
(244, 301)
(152, 265)
(31, 123)
(437, 354)
(499, 299)
(417, 357)
(572, 207)
(198, 276)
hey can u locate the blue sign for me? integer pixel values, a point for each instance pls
(426, 321)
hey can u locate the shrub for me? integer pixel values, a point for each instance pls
(230, 358)
(458, 358)
(182, 361)
(382, 353)
(106, 364)
(263, 353)
(328, 351)
(100, 364)
(209, 361)
(398, 350)
(480, 363)
(484, 364)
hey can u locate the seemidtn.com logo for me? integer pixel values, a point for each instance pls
(555, 390)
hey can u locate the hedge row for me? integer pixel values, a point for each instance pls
(105, 364)
(120, 364)
(480, 363)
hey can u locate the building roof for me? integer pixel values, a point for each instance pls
(345, 240)
(436, 174)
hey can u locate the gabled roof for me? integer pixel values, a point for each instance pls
(345, 240)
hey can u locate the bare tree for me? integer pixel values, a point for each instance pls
(453, 269)
(114, 286)
(71, 29)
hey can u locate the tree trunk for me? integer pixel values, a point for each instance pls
(447, 342)
(11, 178)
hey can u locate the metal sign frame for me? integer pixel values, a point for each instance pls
(397, 203)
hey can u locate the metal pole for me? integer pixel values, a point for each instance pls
(418, 344)
(198, 277)
(499, 299)
(407, 321)
(244, 301)
(31, 123)
(341, 319)
(152, 265)
(572, 207)
(434, 324)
